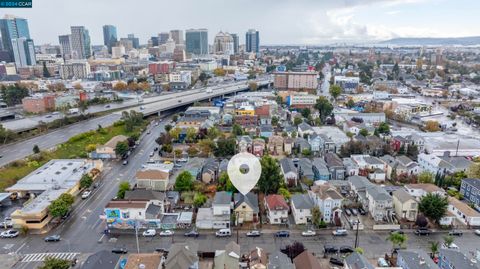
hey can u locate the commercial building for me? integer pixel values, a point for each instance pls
(23, 52)
(74, 69)
(46, 184)
(348, 84)
(470, 189)
(11, 28)
(80, 41)
(164, 67)
(181, 76)
(197, 41)
(162, 38)
(117, 52)
(295, 80)
(109, 36)
(65, 46)
(223, 44)
(38, 103)
(135, 41)
(252, 41)
(301, 100)
(236, 43)
(177, 36)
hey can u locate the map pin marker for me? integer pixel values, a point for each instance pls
(244, 170)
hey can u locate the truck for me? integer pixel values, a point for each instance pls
(73, 111)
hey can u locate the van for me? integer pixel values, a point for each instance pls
(223, 233)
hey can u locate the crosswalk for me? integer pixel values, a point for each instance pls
(39, 257)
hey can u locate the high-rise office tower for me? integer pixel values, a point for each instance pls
(23, 52)
(12, 27)
(65, 46)
(177, 36)
(135, 41)
(80, 43)
(109, 36)
(163, 37)
(197, 41)
(223, 44)
(252, 41)
(235, 43)
(154, 41)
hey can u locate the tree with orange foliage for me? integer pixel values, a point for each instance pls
(120, 86)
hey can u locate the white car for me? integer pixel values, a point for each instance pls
(477, 232)
(308, 233)
(6, 223)
(166, 233)
(149, 233)
(9, 234)
(86, 194)
(340, 232)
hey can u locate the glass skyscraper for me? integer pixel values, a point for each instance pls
(196, 41)
(80, 42)
(109, 36)
(12, 28)
(252, 41)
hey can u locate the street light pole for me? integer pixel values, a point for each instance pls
(356, 233)
(136, 235)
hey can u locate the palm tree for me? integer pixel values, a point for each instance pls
(397, 239)
(448, 240)
(434, 248)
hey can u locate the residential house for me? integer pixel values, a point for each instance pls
(380, 203)
(210, 171)
(266, 130)
(305, 169)
(194, 166)
(263, 114)
(289, 171)
(151, 178)
(470, 189)
(279, 260)
(398, 142)
(103, 259)
(306, 260)
(414, 259)
(327, 144)
(453, 258)
(328, 200)
(399, 165)
(218, 216)
(304, 130)
(258, 146)
(107, 151)
(227, 258)
(301, 206)
(222, 203)
(301, 144)
(183, 256)
(289, 129)
(351, 167)
(421, 189)
(222, 166)
(357, 261)
(406, 207)
(277, 209)
(351, 127)
(258, 259)
(331, 134)
(288, 145)
(275, 145)
(315, 143)
(358, 186)
(320, 170)
(123, 214)
(335, 165)
(434, 164)
(372, 167)
(460, 163)
(244, 143)
(463, 212)
(246, 207)
(144, 260)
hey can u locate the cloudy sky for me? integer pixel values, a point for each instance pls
(279, 21)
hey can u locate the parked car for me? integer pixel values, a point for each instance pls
(282, 234)
(362, 211)
(155, 149)
(192, 233)
(162, 250)
(9, 234)
(397, 231)
(125, 162)
(308, 233)
(149, 233)
(422, 232)
(336, 261)
(477, 232)
(223, 233)
(120, 250)
(253, 233)
(330, 249)
(166, 233)
(340, 232)
(347, 211)
(152, 153)
(455, 232)
(354, 211)
(86, 194)
(346, 249)
(52, 238)
(451, 246)
(6, 223)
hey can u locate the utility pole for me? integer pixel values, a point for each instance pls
(356, 234)
(136, 235)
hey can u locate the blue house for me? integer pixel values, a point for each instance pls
(266, 130)
(470, 189)
(414, 259)
(320, 169)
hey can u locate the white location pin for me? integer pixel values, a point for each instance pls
(244, 171)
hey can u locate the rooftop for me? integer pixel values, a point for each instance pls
(148, 260)
(417, 258)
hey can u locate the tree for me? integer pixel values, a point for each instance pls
(425, 177)
(132, 119)
(199, 199)
(86, 181)
(383, 128)
(432, 126)
(412, 152)
(316, 216)
(122, 188)
(397, 239)
(285, 193)
(306, 112)
(253, 86)
(13, 94)
(474, 170)
(67, 198)
(219, 72)
(184, 181)
(60, 206)
(46, 73)
(294, 134)
(421, 221)
(350, 103)
(191, 134)
(294, 249)
(324, 108)
(203, 77)
(213, 132)
(237, 129)
(163, 139)
(36, 149)
(224, 183)
(207, 146)
(306, 152)
(270, 177)
(121, 148)
(120, 86)
(434, 248)
(55, 263)
(433, 206)
(225, 147)
(274, 120)
(335, 91)
(363, 132)
(448, 240)
(168, 127)
(297, 121)
(175, 133)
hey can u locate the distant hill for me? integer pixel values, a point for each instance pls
(426, 41)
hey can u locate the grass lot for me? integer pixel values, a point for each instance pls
(75, 147)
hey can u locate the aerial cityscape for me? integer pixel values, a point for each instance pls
(289, 135)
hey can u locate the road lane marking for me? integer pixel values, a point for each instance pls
(38, 257)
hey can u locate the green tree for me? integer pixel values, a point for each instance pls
(306, 112)
(13, 94)
(237, 129)
(350, 103)
(191, 134)
(434, 248)
(363, 132)
(294, 134)
(168, 127)
(36, 149)
(297, 121)
(121, 148)
(60, 206)
(132, 119)
(285, 193)
(184, 181)
(207, 146)
(324, 108)
(383, 128)
(46, 73)
(274, 120)
(397, 239)
(448, 240)
(316, 216)
(335, 91)
(474, 170)
(55, 263)
(175, 133)
(67, 198)
(86, 181)
(213, 132)
(306, 152)
(225, 147)
(122, 188)
(425, 177)
(253, 86)
(199, 199)
(270, 177)
(224, 183)
(433, 206)
(412, 152)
